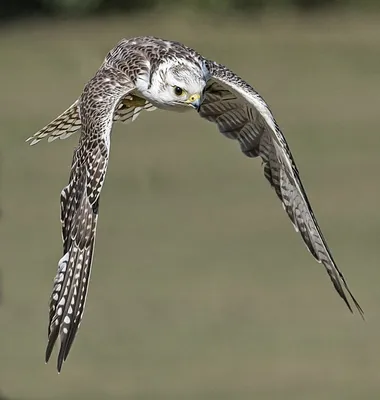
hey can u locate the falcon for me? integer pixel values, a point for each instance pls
(145, 73)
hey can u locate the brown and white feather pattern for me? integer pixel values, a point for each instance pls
(127, 56)
(80, 205)
(241, 114)
(61, 127)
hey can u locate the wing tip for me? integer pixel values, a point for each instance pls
(53, 334)
(358, 307)
(32, 140)
(60, 361)
(354, 301)
(63, 351)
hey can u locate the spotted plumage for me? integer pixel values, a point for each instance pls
(145, 73)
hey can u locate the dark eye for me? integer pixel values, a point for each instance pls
(178, 91)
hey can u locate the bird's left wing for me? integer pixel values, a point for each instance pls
(80, 204)
(241, 114)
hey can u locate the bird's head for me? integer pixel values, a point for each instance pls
(179, 86)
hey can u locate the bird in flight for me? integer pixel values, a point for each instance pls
(145, 73)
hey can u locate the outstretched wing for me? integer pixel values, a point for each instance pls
(69, 123)
(80, 204)
(241, 114)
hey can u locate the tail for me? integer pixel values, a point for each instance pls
(62, 127)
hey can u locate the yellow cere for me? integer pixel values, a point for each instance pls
(193, 98)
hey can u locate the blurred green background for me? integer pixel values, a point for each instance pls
(200, 289)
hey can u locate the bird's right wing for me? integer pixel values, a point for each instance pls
(80, 204)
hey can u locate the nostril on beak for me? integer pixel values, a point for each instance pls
(195, 101)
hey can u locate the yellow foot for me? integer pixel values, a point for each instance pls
(134, 101)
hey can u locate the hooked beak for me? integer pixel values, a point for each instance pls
(194, 101)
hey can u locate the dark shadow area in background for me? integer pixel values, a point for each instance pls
(12, 10)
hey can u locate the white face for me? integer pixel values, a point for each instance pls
(178, 87)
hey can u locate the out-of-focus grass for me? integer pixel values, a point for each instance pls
(200, 288)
